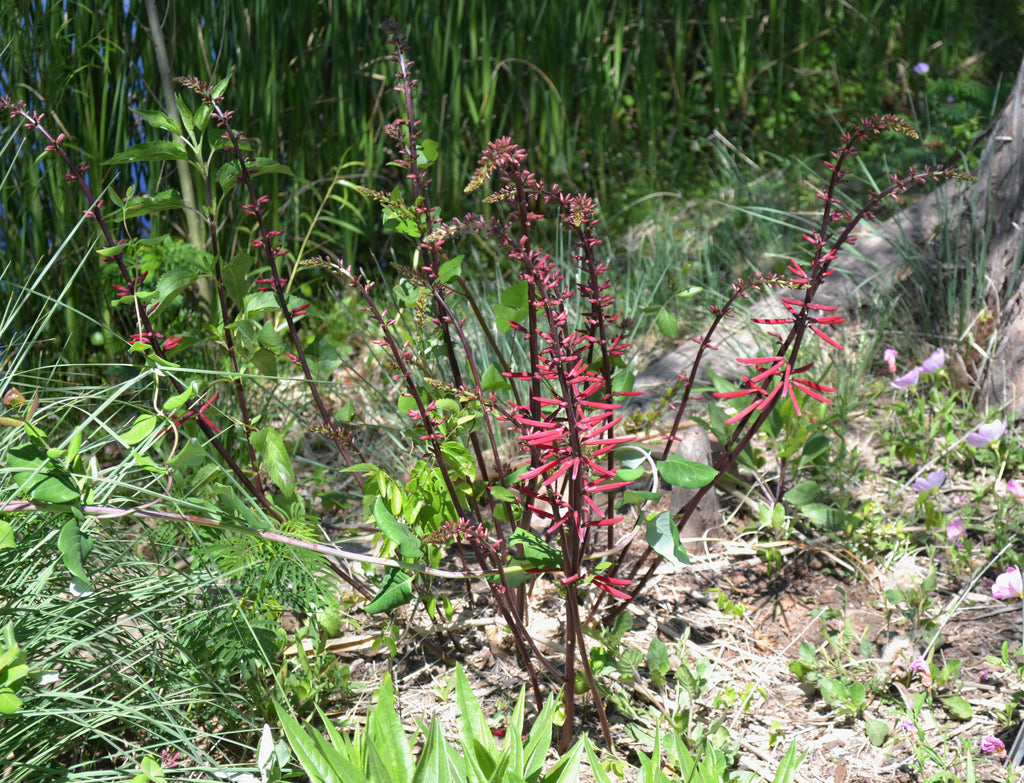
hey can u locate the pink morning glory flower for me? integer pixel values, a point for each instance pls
(889, 355)
(907, 380)
(933, 363)
(1008, 584)
(987, 434)
(933, 480)
(992, 744)
(956, 529)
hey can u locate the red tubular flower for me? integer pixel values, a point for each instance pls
(199, 414)
(611, 584)
(270, 283)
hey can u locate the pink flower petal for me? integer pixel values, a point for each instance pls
(1008, 584)
(933, 363)
(907, 380)
(992, 744)
(933, 480)
(987, 434)
(889, 356)
(956, 529)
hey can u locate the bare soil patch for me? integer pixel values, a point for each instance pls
(746, 655)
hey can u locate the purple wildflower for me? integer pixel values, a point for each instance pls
(1008, 584)
(1016, 488)
(955, 530)
(933, 480)
(992, 744)
(921, 69)
(907, 380)
(934, 363)
(987, 434)
(919, 664)
(889, 355)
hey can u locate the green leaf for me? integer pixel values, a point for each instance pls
(235, 274)
(406, 292)
(514, 306)
(218, 90)
(503, 494)
(178, 400)
(536, 550)
(663, 538)
(513, 744)
(147, 151)
(786, 773)
(260, 302)
(9, 702)
(629, 474)
(164, 201)
(623, 380)
(276, 460)
(158, 119)
(567, 769)
(75, 546)
(958, 707)
(877, 731)
(140, 430)
(657, 661)
(432, 765)
(170, 285)
(397, 531)
(600, 776)
(450, 269)
(685, 473)
(477, 741)
(832, 691)
(629, 663)
(191, 455)
(229, 172)
(804, 493)
(38, 478)
(493, 379)
(816, 445)
(824, 517)
(667, 324)
(187, 119)
(428, 150)
(74, 446)
(395, 591)
(385, 730)
(319, 760)
(623, 625)
(323, 358)
(6, 534)
(539, 741)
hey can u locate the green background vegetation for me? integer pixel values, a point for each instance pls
(622, 100)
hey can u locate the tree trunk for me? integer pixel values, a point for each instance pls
(996, 202)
